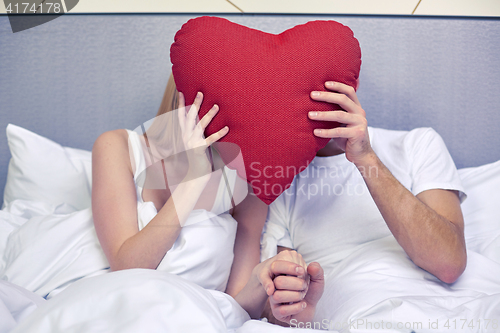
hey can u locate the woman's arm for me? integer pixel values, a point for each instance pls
(114, 199)
(251, 215)
(250, 282)
(243, 285)
(114, 208)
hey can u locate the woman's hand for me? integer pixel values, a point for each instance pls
(284, 263)
(195, 143)
(353, 137)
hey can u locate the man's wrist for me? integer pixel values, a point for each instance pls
(368, 165)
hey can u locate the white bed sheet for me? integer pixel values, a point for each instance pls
(16, 303)
(136, 300)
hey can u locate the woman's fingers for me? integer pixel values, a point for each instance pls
(283, 267)
(204, 123)
(193, 110)
(217, 136)
(207, 118)
(192, 131)
(343, 89)
(283, 312)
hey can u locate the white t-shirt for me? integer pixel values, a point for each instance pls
(328, 211)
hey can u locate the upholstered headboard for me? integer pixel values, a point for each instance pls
(80, 75)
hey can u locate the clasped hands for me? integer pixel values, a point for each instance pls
(293, 287)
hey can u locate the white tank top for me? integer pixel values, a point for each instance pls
(203, 251)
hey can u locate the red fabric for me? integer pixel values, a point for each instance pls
(262, 84)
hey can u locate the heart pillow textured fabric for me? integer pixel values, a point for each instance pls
(262, 84)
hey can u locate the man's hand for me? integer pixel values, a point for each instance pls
(296, 299)
(353, 138)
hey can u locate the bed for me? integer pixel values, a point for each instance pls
(65, 82)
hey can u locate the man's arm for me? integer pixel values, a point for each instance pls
(429, 226)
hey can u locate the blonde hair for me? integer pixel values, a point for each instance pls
(163, 132)
(170, 100)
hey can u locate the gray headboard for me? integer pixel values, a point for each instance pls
(80, 75)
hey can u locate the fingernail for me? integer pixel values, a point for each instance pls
(329, 83)
(304, 305)
(317, 131)
(198, 94)
(313, 114)
(299, 270)
(315, 93)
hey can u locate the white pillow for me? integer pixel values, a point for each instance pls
(482, 209)
(42, 170)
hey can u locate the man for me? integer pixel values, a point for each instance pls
(365, 184)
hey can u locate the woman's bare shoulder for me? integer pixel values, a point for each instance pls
(112, 146)
(114, 137)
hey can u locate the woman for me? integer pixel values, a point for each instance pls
(143, 225)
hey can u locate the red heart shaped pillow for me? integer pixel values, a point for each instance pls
(262, 84)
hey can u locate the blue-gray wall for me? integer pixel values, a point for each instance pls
(80, 75)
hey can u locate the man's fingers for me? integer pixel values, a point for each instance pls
(283, 312)
(343, 89)
(344, 101)
(287, 296)
(315, 272)
(335, 98)
(317, 283)
(338, 116)
(285, 282)
(341, 132)
(282, 267)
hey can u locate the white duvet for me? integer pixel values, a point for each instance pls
(378, 288)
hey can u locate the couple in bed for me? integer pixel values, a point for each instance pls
(172, 214)
(368, 183)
